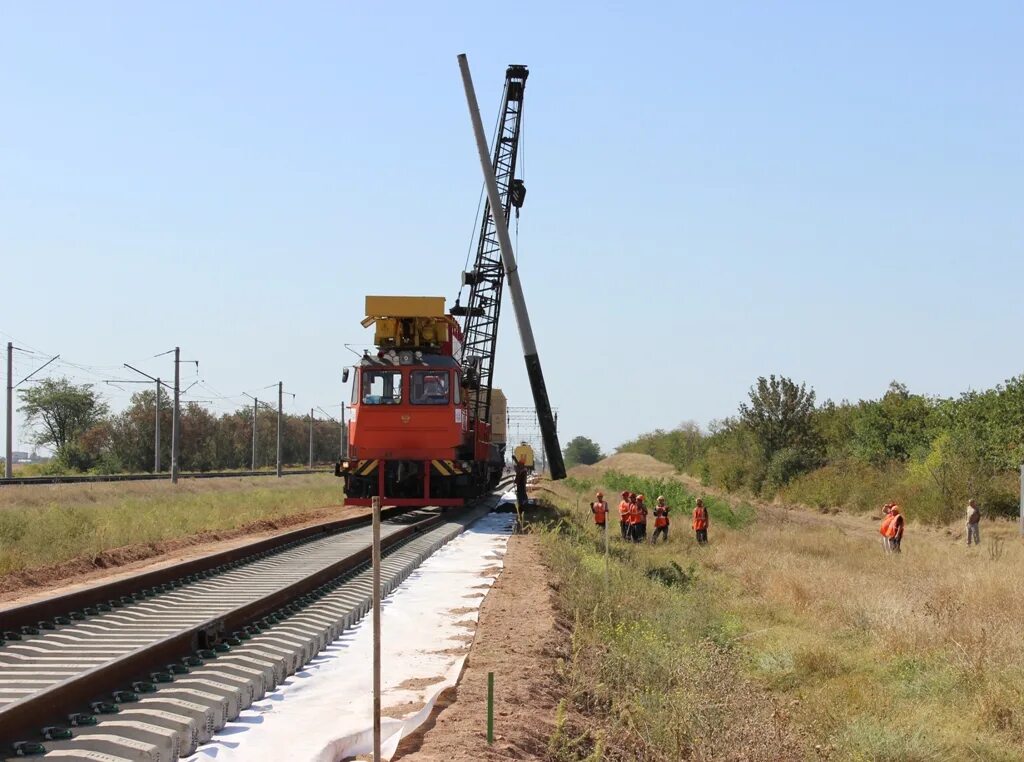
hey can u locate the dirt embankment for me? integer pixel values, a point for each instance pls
(518, 638)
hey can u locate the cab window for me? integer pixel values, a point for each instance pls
(429, 387)
(382, 387)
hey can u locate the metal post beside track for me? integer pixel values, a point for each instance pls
(280, 414)
(176, 416)
(376, 629)
(255, 412)
(606, 582)
(490, 708)
(9, 448)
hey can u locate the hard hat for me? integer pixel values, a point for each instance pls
(632, 495)
(639, 497)
(600, 494)
(661, 498)
(625, 493)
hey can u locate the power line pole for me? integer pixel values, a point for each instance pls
(11, 386)
(311, 439)
(280, 415)
(156, 436)
(176, 416)
(8, 464)
(255, 410)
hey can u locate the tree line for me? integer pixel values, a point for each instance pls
(76, 423)
(931, 454)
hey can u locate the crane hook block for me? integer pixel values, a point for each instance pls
(518, 193)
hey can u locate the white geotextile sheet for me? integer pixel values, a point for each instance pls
(324, 712)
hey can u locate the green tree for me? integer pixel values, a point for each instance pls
(133, 430)
(781, 415)
(582, 450)
(60, 411)
(894, 428)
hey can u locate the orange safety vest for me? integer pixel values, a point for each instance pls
(886, 524)
(623, 510)
(636, 515)
(700, 518)
(661, 516)
(599, 508)
(895, 529)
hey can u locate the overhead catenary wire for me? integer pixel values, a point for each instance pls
(28, 360)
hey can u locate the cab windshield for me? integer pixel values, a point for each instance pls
(382, 387)
(429, 387)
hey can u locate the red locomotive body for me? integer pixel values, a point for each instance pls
(410, 438)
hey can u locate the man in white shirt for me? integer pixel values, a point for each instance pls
(973, 518)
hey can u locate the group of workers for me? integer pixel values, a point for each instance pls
(633, 515)
(893, 525)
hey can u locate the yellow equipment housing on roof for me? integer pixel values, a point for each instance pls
(406, 322)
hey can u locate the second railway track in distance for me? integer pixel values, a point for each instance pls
(149, 667)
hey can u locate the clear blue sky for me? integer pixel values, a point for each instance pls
(716, 191)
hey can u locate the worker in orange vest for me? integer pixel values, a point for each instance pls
(896, 529)
(660, 520)
(883, 529)
(600, 510)
(624, 514)
(635, 517)
(642, 526)
(700, 522)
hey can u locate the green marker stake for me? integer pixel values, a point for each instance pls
(490, 708)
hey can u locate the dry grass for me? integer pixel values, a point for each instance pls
(911, 657)
(42, 525)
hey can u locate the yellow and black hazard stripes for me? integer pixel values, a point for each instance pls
(447, 467)
(362, 467)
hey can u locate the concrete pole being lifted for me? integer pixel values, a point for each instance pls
(156, 434)
(280, 414)
(9, 449)
(176, 416)
(515, 287)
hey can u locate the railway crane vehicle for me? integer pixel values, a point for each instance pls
(427, 425)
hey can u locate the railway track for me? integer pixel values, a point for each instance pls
(86, 478)
(150, 667)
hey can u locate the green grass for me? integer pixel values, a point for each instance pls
(652, 658)
(48, 524)
(786, 639)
